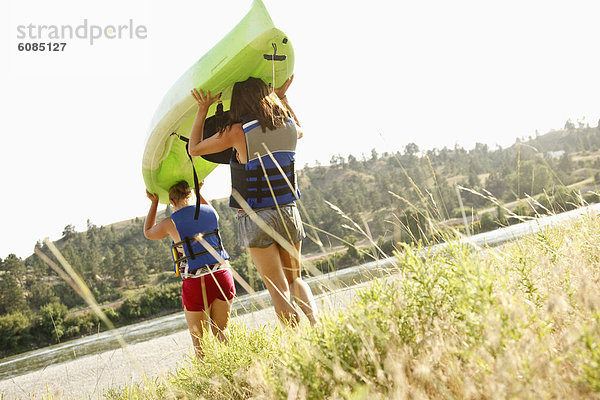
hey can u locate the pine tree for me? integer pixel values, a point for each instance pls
(12, 296)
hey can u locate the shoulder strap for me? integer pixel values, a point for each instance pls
(196, 183)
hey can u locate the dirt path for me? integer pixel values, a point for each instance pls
(89, 376)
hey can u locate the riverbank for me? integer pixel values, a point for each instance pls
(90, 376)
(517, 321)
(93, 374)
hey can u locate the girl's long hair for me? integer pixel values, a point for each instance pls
(253, 97)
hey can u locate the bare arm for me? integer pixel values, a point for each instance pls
(213, 144)
(300, 132)
(202, 199)
(152, 230)
(197, 146)
(280, 92)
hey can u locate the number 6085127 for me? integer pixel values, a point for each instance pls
(35, 46)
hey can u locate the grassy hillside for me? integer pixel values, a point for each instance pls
(520, 321)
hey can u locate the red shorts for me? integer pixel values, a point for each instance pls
(193, 295)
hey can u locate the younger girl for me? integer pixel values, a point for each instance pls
(208, 286)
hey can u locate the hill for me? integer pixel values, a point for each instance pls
(393, 196)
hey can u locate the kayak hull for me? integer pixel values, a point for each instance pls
(253, 48)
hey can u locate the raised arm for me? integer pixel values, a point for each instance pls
(152, 230)
(202, 199)
(213, 144)
(281, 93)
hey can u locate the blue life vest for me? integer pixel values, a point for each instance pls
(249, 179)
(206, 225)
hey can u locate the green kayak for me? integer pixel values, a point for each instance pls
(253, 48)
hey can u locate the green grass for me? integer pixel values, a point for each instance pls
(521, 321)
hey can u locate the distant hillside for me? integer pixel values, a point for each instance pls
(393, 196)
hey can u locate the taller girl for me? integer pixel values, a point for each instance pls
(263, 133)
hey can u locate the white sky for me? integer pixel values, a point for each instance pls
(375, 74)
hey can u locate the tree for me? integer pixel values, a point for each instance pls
(106, 264)
(487, 222)
(352, 162)
(351, 250)
(565, 164)
(67, 295)
(91, 261)
(92, 232)
(116, 269)
(13, 327)
(501, 215)
(411, 149)
(53, 315)
(158, 255)
(134, 265)
(415, 224)
(533, 177)
(374, 155)
(337, 160)
(90, 225)
(497, 185)
(12, 297)
(564, 199)
(138, 272)
(474, 182)
(597, 178)
(569, 125)
(14, 266)
(40, 293)
(68, 232)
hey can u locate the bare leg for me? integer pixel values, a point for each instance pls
(269, 266)
(219, 315)
(300, 289)
(197, 323)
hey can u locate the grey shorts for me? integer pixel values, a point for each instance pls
(252, 235)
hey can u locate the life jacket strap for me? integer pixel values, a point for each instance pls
(260, 172)
(191, 254)
(196, 181)
(202, 271)
(252, 183)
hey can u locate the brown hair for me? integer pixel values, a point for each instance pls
(253, 97)
(179, 191)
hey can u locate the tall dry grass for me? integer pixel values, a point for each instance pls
(521, 321)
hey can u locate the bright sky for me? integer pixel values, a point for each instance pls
(373, 74)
